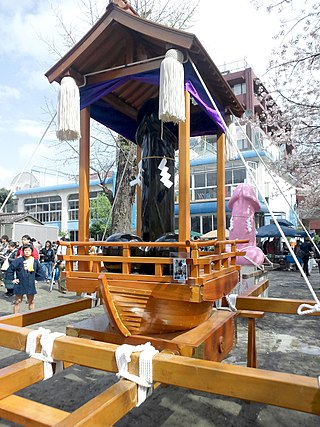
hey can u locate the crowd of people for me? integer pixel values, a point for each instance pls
(23, 264)
(305, 251)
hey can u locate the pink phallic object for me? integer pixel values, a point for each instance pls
(244, 204)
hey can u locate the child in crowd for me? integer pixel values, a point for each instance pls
(23, 272)
(26, 240)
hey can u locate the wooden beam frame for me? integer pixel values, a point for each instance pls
(29, 413)
(138, 197)
(19, 376)
(272, 305)
(221, 196)
(292, 391)
(184, 174)
(105, 409)
(84, 175)
(40, 315)
(125, 70)
(118, 104)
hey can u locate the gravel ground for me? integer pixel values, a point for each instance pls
(284, 343)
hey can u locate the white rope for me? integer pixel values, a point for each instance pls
(262, 196)
(31, 158)
(231, 300)
(260, 267)
(304, 309)
(144, 380)
(231, 152)
(276, 183)
(46, 340)
(171, 88)
(95, 301)
(68, 110)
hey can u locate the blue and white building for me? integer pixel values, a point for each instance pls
(56, 205)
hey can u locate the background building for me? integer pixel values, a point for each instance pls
(56, 205)
(262, 119)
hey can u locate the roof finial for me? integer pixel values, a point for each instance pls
(125, 5)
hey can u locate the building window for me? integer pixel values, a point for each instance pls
(73, 204)
(239, 88)
(252, 176)
(204, 185)
(204, 182)
(243, 144)
(73, 207)
(44, 209)
(205, 223)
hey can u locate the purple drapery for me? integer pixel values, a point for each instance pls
(210, 111)
(91, 95)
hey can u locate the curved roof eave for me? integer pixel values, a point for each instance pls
(159, 36)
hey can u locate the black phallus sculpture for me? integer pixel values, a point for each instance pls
(157, 141)
(117, 250)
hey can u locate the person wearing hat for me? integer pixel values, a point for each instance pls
(23, 272)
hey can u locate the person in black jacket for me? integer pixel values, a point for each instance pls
(304, 252)
(23, 272)
(47, 260)
(11, 255)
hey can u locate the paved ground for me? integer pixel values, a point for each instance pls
(285, 343)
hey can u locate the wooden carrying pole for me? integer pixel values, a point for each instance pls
(138, 197)
(84, 175)
(274, 388)
(184, 174)
(221, 196)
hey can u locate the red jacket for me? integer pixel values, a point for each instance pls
(35, 253)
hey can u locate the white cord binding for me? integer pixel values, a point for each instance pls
(46, 341)
(304, 309)
(144, 380)
(95, 301)
(231, 300)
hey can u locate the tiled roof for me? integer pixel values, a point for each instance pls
(10, 218)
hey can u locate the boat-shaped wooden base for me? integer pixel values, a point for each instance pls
(212, 340)
(136, 308)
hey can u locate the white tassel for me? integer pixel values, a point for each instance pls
(231, 141)
(171, 90)
(68, 114)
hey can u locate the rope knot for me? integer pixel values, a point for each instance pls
(144, 380)
(175, 54)
(46, 340)
(304, 309)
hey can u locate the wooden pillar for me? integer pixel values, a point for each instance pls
(221, 196)
(138, 197)
(84, 175)
(252, 348)
(184, 174)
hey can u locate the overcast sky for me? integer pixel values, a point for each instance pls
(221, 26)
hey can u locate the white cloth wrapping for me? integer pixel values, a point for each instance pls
(46, 341)
(144, 380)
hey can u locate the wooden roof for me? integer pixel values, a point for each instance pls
(121, 38)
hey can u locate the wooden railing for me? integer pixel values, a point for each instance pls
(83, 265)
